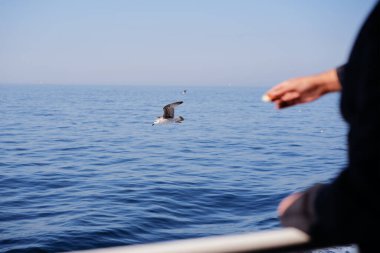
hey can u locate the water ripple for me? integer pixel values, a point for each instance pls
(82, 167)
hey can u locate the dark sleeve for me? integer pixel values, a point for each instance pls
(340, 72)
(347, 210)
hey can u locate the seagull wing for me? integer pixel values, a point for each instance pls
(169, 109)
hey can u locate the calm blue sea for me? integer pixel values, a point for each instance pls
(82, 166)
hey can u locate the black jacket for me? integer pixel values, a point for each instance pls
(347, 210)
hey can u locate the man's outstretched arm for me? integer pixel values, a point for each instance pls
(303, 89)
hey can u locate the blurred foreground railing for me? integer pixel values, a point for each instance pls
(281, 240)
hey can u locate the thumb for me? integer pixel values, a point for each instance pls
(278, 91)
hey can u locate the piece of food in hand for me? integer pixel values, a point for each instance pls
(266, 98)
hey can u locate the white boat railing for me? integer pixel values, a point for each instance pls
(281, 240)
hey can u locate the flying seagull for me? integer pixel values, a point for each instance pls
(168, 116)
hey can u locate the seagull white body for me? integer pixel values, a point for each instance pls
(168, 116)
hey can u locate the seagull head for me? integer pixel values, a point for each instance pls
(156, 121)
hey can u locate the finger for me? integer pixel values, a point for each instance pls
(280, 104)
(290, 96)
(278, 91)
(288, 99)
(283, 104)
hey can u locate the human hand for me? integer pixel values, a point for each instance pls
(303, 89)
(287, 202)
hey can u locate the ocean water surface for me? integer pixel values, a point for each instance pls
(82, 167)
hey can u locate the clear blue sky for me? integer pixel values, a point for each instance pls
(178, 42)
